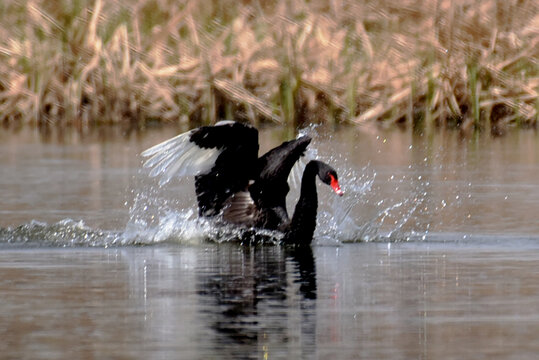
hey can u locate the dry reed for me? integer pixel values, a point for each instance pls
(435, 62)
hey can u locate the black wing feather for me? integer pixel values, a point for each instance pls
(270, 187)
(234, 167)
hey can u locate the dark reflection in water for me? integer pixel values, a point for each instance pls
(303, 257)
(370, 301)
(241, 295)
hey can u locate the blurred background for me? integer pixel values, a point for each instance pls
(466, 64)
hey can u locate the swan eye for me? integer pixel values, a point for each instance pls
(331, 176)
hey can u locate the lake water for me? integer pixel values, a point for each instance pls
(431, 253)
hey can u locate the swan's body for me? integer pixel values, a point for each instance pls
(233, 182)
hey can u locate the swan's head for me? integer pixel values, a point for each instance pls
(328, 175)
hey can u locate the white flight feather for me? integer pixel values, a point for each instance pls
(296, 174)
(179, 156)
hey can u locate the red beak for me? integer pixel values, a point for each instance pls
(335, 186)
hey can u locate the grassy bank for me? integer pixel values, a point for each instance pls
(466, 63)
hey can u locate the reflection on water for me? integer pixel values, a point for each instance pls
(259, 300)
(464, 284)
(223, 301)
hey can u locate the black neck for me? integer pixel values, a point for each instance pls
(303, 222)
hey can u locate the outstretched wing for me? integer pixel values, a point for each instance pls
(179, 156)
(222, 158)
(271, 186)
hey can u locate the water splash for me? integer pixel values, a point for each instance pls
(167, 213)
(65, 233)
(362, 215)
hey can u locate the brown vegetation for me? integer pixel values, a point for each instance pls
(435, 62)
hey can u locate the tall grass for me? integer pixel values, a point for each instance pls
(466, 63)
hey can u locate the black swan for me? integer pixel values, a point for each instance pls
(233, 182)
